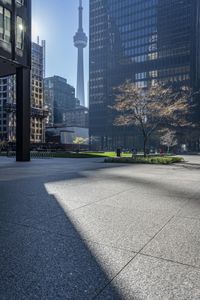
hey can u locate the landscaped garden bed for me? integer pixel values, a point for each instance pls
(164, 160)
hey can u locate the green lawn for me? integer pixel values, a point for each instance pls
(71, 154)
(108, 156)
(82, 154)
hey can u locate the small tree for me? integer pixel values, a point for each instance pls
(80, 140)
(152, 108)
(3, 143)
(168, 138)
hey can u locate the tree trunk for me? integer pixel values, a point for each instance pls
(145, 147)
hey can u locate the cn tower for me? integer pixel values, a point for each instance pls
(80, 42)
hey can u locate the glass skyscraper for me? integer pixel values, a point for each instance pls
(59, 98)
(142, 41)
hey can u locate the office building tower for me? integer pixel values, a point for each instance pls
(59, 97)
(37, 110)
(77, 117)
(80, 42)
(15, 58)
(142, 41)
(7, 97)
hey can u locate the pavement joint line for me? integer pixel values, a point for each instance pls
(170, 260)
(170, 219)
(111, 280)
(105, 198)
(138, 253)
(63, 235)
(112, 196)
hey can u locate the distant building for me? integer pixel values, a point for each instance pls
(77, 117)
(66, 135)
(8, 108)
(142, 41)
(37, 111)
(59, 98)
(15, 58)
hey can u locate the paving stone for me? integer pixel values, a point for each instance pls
(117, 226)
(75, 197)
(153, 279)
(53, 248)
(18, 206)
(137, 201)
(38, 265)
(178, 241)
(192, 209)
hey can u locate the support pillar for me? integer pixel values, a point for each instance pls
(23, 114)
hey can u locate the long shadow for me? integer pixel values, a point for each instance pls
(162, 187)
(36, 262)
(43, 255)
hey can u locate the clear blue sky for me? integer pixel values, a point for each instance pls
(56, 22)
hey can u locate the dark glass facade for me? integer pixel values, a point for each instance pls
(142, 41)
(15, 58)
(15, 35)
(59, 98)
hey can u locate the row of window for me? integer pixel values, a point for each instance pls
(5, 27)
(19, 2)
(181, 71)
(137, 24)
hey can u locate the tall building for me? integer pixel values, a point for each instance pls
(80, 42)
(59, 97)
(142, 41)
(77, 117)
(15, 58)
(7, 97)
(37, 111)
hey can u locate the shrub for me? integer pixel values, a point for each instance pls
(164, 160)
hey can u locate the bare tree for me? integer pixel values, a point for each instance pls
(168, 138)
(2, 145)
(151, 108)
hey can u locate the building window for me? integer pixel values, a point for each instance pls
(19, 33)
(5, 24)
(8, 1)
(20, 2)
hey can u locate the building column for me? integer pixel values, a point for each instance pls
(23, 114)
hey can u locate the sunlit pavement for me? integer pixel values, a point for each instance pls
(82, 229)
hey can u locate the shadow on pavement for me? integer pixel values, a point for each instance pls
(43, 252)
(38, 263)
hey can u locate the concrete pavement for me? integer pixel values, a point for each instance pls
(82, 229)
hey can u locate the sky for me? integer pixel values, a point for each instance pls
(56, 22)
